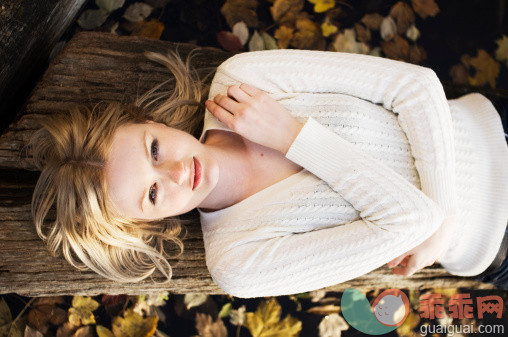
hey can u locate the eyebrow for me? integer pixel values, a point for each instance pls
(146, 155)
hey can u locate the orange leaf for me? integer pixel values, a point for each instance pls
(425, 8)
(283, 35)
(308, 35)
(152, 29)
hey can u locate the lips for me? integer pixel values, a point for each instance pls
(196, 172)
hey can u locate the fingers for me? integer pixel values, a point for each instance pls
(220, 113)
(252, 91)
(396, 261)
(409, 268)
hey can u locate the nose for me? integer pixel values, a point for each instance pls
(177, 172)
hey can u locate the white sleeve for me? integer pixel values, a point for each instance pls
(395, 217)
(412, 92)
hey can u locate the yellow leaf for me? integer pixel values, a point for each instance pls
(411, 322)
(134, 325)
(328, 29)
(206, 327)
(266, 321)
(487, 69)
(283, 34)
(103, 331)
(152, 29)
(321, 6)
(81, 311)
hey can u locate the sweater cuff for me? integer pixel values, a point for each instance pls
(440, 186)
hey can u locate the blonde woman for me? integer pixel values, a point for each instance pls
(312, 168)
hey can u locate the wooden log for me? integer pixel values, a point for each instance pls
(28, 32)
(101, 66)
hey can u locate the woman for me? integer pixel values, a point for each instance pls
(312, 168)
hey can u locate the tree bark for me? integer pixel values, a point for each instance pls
(100, 66)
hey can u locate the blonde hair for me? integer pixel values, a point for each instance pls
(71, 151)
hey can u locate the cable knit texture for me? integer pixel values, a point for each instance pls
(386, 158)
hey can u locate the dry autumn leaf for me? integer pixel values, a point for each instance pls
(328, 29)
(332, 326)
(266, 321)
(372, 20)
(151, 29)
(406, 329)
(81, 312)
(346, 42)
(324, 309)
(416, 54)
(283, 34)
(388, 28)
(134, 325)
(321, 6)
(502, 50)
(487, 69)
(229, 41)
(396, 49)
(240, 10)
(362, 32)
(102, 331)
(282, 8)
(307, 36)
(403, 15)
(208, 328)
(425, 8)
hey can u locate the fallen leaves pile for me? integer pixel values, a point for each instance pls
(140, 316)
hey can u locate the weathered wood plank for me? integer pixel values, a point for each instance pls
(95, 66)
(28, 32)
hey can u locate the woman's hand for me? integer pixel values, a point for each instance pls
(428, 252)
(254, 115)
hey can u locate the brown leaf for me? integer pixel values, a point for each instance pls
(39, 316)
(324, 309)
(283, 35)
(425, 8)
(372, 20)
(208, 328)
(229, 41)
(362, 32)
(396, 49)
(66, 330)
(403, 15)
(281, 8)
(84, 331)
(459, 74)
(487, 69)
(151, 29)
(240, 10)
(290, 19)
(308, 36)
(51, 300)
(416, 54)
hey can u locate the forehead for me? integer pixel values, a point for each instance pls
(124, 168)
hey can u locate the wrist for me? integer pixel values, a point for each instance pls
(292, 134)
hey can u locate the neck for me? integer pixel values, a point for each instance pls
(231, 155)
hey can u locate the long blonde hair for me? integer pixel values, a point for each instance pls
(71, 151)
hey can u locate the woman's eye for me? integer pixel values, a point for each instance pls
(155, 149)
(152, 194)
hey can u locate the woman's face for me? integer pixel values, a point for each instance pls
(150, 171)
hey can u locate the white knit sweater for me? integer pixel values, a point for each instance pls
(386, 157)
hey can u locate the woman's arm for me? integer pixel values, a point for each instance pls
(412, 92)
(395, 215)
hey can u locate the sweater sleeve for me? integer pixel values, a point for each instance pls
(395, 216)
(412, 92)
